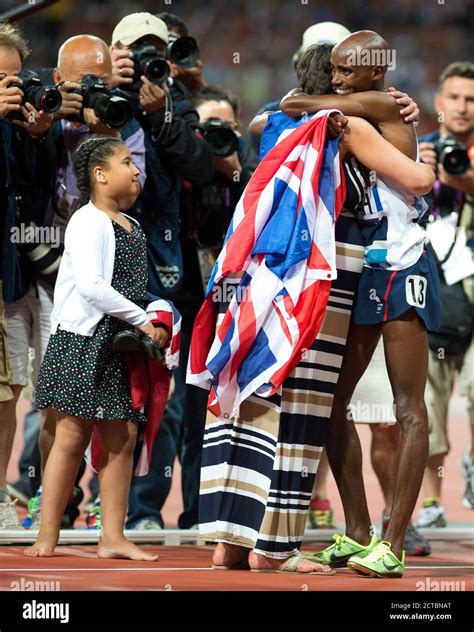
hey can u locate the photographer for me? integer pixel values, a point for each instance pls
(190, 74)
(175, 152)
(214, 204)
(450, 231)
(83, 71)
(206, 213)
(24, 132)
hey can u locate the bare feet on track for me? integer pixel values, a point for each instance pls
(43, 547)
(230, 556)
(123, 549)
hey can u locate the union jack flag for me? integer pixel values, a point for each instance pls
(281, 247)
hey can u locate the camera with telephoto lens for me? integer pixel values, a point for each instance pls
(452, 155)
(221, 137)
(149, 62)
(44, 256)
(182, 51)
(46, 98)
(113, 111)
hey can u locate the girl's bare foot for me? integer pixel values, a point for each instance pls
(227, 556)
(123, 549)
(304, 566)
(43, 547)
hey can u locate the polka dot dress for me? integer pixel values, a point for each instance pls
(82, 375)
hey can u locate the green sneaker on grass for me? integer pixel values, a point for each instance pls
(338, 554)
(380, 562)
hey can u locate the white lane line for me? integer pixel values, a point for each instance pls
(94, 570)
(438, 568)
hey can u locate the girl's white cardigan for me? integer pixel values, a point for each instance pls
(83, 293)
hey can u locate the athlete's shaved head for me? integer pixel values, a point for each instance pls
(81, 55)
(366, 40)
(360, 61)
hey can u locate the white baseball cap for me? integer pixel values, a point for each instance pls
(136, 25)
(323, 33)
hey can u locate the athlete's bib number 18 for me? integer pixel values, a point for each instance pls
(415, 289)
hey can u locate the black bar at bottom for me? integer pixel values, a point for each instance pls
(448, 610)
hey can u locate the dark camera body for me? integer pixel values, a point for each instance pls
(148, 61)
(113, 111)
(221, 137)
(452, 155)
(41, 97)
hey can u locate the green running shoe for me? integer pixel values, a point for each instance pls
(339, 553)
(380, 562)
(33, 517)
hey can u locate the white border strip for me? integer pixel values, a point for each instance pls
(177, 537)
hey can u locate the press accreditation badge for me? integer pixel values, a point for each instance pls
(207, 258)
(415, 289)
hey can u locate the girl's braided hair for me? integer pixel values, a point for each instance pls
(91, 153)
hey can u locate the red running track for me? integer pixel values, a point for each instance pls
(189, 568)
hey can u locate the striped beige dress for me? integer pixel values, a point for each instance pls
(258, 469)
